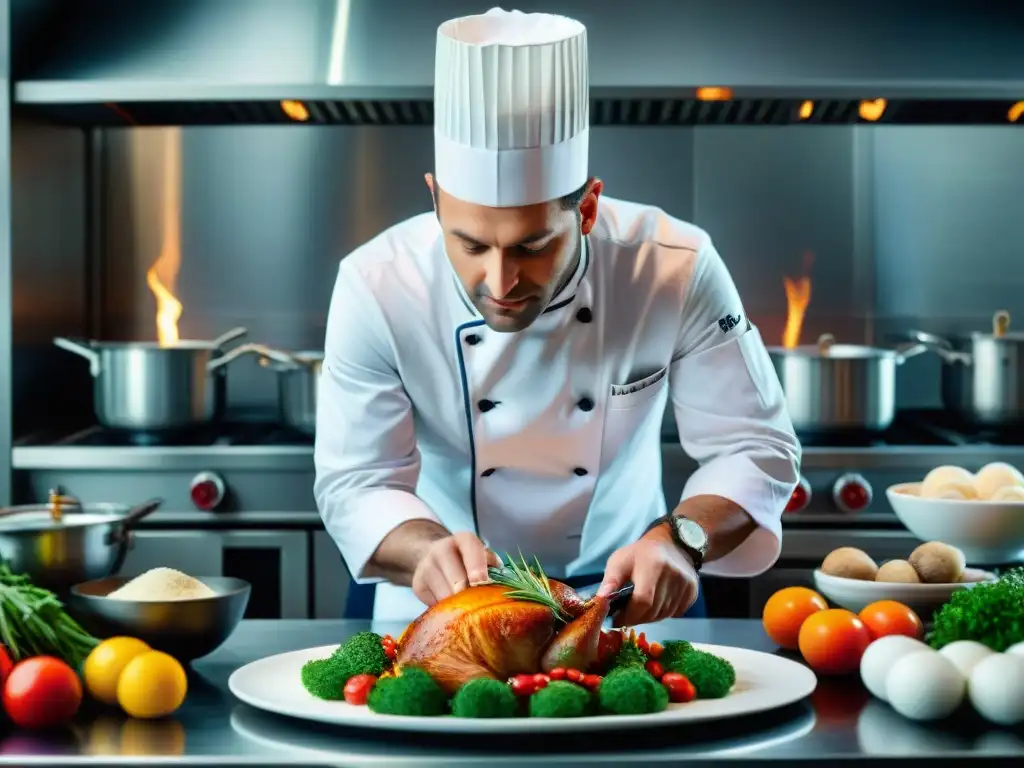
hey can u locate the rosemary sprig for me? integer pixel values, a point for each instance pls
(526, 583)
(33, 622)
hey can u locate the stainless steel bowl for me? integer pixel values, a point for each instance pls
(186, 629)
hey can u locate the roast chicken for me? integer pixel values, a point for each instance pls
(498, 630)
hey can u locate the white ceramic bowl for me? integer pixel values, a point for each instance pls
(855, 595)
(987, 532)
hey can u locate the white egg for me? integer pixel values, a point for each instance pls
(1008, 493)
(949, 477)
(994, 476)
(957, 491)
(879, 657)
(1017, 649)
(925, 685)
(996, 688)
(965, 654)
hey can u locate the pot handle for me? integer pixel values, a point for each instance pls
(906, 351)
(940, 346)
(120, 533)
(232, 355)
(80, 349)
(224, 338)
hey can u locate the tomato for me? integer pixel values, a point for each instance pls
(655, 650)
(785, 612)
(42, 692)
(680, 689)
(558, 673)
(833, 641)
(573, 675)
(608, 645)
(591, 681)
(390, 647)
(642, 644)
(358, 688)
(888, 617)
(6, 664)
(655, 669)
(523, 685)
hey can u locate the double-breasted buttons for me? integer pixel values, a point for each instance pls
(585, 404)
(487, 472)
(486, 405)
(584, 315)
(473, 339)
(579, 472)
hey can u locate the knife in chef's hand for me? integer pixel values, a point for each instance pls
(617, 601)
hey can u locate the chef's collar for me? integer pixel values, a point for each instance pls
(563, 297)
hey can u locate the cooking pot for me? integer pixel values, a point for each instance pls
(142, 386)
(840, 388)
(63, 543)
(982, 373)
(298, 383)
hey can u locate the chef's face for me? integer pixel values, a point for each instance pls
(512, 261)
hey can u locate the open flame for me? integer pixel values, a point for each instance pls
(798, 297)
(163, 274)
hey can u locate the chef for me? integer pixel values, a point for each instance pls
(496, 370)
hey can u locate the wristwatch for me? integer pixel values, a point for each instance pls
(687, 534)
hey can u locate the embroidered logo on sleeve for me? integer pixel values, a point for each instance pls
(729, 322)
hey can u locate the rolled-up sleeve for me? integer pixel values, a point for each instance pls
(367, 462)
(732, 416)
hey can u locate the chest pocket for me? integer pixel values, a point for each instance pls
(633, 409)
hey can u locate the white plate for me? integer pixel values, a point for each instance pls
(763, 682)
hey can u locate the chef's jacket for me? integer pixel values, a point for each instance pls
(546, 441)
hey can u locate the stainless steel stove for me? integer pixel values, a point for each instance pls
(247, 485)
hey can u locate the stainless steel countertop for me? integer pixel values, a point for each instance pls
(839, 723)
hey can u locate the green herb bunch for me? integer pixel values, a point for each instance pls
(991, 613)
(526, 583)
(33, 622)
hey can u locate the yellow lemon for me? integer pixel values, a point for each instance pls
(103, 666)
(152, 685)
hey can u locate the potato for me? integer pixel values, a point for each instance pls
(850, 563)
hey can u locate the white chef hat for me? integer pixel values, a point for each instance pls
(511, 108)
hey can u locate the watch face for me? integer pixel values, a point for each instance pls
(692, 534)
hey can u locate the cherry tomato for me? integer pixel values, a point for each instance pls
(41, 692)
(608, 645)
(573, 674)
(680, 689)
(888, 617)
(655, 650)
(358, 688)
(591, 681)
(642, 644)
(523, 685)
(833, 641)
(557, 673)
(655, 669)
(540, 681)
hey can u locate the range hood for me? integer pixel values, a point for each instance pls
(677, 62)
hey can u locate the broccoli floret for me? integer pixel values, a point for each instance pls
(673, 651)
(413, 692)
(325, 678)
(560, 698)
(712, 676)
(629, 655)
(991, 613)
(363, 654)
(485, 697)
(631, 691)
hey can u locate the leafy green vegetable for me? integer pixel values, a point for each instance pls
(33, 623)
(631, 691)
(629, 655)
(325, 678)
(712, 676)
(560, 698)
(485, 697)
(363, 654)
(413, 692)
(991, 613)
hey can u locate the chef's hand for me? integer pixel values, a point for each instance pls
(451, 564)
(664, 580)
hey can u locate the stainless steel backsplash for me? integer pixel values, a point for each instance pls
(906, 226)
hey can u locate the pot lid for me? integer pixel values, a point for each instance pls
(38, 518)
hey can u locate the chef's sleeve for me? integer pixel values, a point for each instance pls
(367, 462)
(731, 414)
